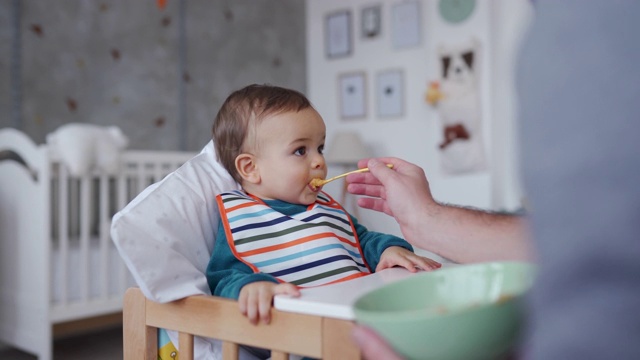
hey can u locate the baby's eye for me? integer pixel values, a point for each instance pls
(301, 151)
(321, 149)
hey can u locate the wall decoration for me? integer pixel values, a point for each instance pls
(115, 54)
(456, 96)
(371, 21)
(352, 90)
(37, 29)
(338, 34)
(456, 11)
(405, 23)
(72, 104)
(160, 121)
(390, 93)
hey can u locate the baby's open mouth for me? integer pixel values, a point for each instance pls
(316, 183)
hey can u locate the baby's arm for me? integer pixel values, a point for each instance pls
(382, 251)
(399, 256)
(256, 299)
(254, 291)
(231, 278)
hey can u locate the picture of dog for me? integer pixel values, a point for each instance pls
(459, 108)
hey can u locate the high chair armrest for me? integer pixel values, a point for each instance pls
(219, 318)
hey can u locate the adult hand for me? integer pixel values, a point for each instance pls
(402, 192)
(390, 190)
(460, 234)
(372, 346)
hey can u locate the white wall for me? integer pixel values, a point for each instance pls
(415, 136)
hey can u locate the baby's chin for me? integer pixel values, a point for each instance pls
(307, 199)
(300, 200)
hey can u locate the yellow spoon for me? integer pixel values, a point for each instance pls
(317, 182)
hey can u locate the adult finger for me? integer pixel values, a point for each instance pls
(375, 204)
(372, 345)
(380, 170)
(362, 163)
(362, 178)
(366, 189)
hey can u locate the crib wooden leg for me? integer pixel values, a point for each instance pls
(230, 351)
(140, 341)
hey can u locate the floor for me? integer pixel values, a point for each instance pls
(96, 345)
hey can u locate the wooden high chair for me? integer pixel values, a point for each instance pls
(314, 336)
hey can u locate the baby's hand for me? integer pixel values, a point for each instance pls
(398, 256)
(256, 298)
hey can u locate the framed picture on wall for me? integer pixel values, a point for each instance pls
(371, 18)
(338, 37)
(405, 24)
(390, 93)
(352, 92)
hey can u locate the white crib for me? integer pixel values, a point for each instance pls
(57, 261)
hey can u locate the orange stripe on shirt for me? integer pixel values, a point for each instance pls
(294, 243)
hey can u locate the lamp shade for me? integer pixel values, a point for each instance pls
(346, 149)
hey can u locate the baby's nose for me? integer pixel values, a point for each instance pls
(318, 162)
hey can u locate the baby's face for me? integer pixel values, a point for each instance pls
(288, 149)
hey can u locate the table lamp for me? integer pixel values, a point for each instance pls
(346, 150)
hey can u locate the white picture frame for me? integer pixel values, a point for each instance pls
(390, 93)
(338, 34)
(353, 95)
(405, 24)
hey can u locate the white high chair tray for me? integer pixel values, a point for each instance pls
(336, 301)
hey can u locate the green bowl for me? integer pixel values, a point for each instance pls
(458, 312)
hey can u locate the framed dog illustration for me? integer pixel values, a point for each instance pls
(457, 99)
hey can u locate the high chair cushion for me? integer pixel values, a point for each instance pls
(165, 235)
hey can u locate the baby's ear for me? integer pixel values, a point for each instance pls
(246, 166)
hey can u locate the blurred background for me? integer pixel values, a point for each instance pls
(160, 69)
(159, 72)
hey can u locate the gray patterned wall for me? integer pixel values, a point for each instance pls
(158, 73)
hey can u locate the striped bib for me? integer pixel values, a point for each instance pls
(315, 247)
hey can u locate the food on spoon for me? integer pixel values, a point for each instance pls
(316, 183)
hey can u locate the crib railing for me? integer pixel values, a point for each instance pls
(82, 208)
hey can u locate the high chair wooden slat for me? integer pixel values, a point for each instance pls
(186, 344)
(279, 355)
(140, 341)
(218, 318)
(230, 351)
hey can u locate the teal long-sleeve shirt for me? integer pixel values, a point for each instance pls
(226, 274)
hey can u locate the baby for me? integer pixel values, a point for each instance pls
(280, 232)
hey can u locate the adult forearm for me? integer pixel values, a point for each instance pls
(469, 235)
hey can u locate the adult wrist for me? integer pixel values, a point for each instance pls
(418, 227)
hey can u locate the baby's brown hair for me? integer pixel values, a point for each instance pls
(249, 104)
